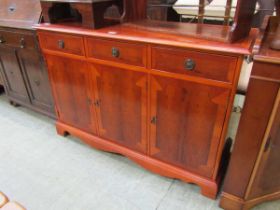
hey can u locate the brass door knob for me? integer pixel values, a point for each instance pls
(61, 44)
(115, 52)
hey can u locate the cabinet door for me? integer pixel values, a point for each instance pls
(70, 83)
(121, 99)
(186, 123)
(12, 75)
(267, 176)
(36, 79)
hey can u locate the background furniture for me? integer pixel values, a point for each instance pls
(162, 13)
(147, 91)
(93, 13)
(241, 24)
(254, 171)
(21, 64)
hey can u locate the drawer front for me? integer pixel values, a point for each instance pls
(63, 43)
(18, 40)
(187, 62)
(129, 53)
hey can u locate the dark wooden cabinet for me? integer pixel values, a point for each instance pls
(22, 66)
(254, 170)
(167, 113)
(36, 77)
(12, 75)
(187, 123)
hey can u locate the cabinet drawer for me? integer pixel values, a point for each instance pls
(130, 53)
(187, 62)
(62, 43)
(18, 40)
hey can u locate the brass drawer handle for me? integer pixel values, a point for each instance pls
(61, 44)
(12, 8)
(115, 52)
(22, 43)
(190, 64)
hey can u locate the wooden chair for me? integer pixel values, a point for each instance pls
(201, 11)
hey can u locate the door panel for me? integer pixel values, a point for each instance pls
(267, 179)
(186, 123)
(12, 75)
(37, 79)
(70, 83)
(122, 105)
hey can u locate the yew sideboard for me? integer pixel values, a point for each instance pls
(161, 98)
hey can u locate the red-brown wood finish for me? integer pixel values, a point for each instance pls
(121, 105)
(130, 53)
(205, 64)
(254, 170)
(186, 123)
(72, 92)
(167, 119)
(68, 44)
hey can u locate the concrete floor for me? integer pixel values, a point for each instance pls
(44, 171)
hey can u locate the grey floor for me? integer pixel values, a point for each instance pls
(44, 171)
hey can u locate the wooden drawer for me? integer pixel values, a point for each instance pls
(129, 53)
(192, 63)
(16, 39)
(63, 43)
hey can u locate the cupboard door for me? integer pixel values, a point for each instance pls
(12, 75)
(186, 123)
(36, 79)
(70, 83)
(121, 101)
(267, 177)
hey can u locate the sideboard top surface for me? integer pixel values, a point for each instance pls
(19, 14)
(171, 33)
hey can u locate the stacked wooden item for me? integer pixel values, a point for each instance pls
(22, 67)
